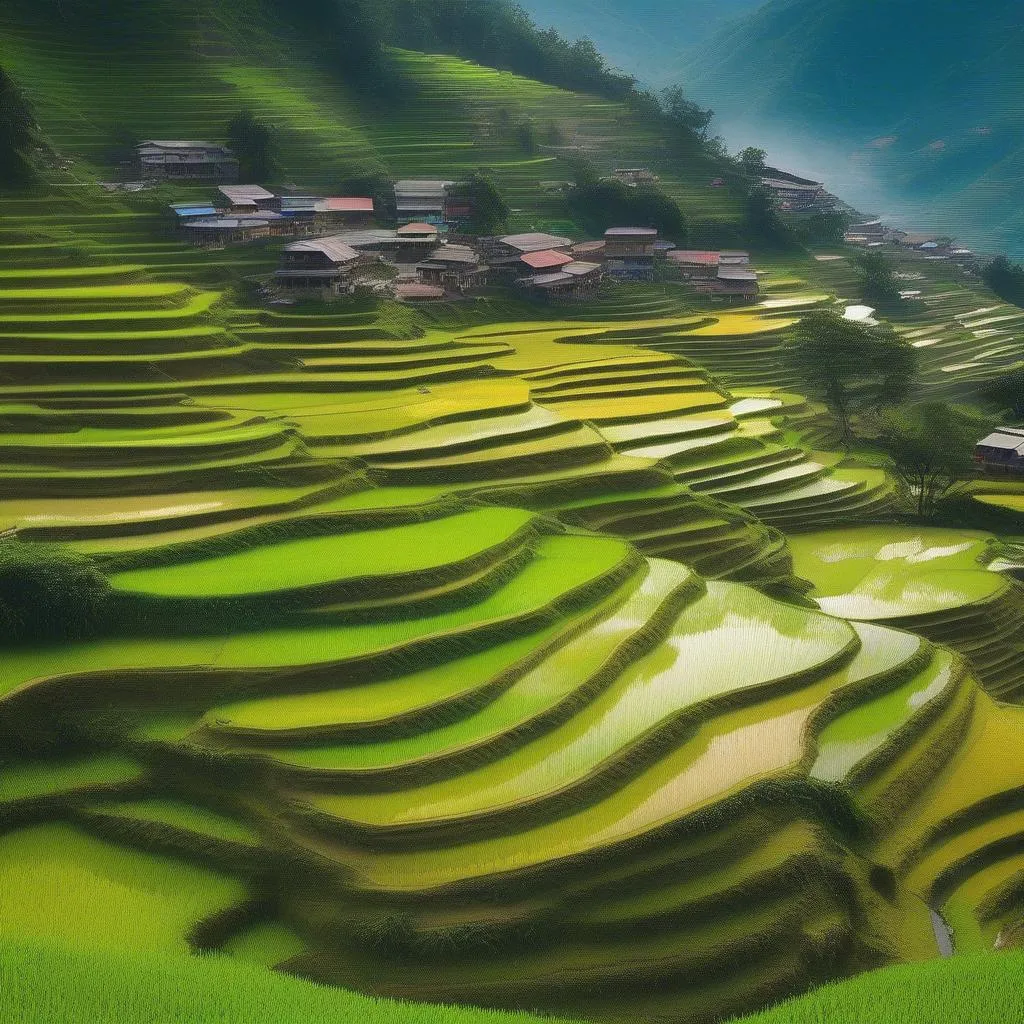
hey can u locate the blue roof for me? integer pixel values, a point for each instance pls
(194, 211)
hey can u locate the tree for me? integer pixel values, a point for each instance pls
(253, 143)
(850, 365)
(683, 112)
(372, 182)
(878, 284)
(1006, 279)
(47, 593)
(1007, 390)
(822, 228)
(762, 220)
(17, 134)
(752, 161)
(489, 210)
(932, 447)
(526, 136)
(599, 205)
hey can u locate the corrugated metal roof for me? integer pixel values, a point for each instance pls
(350, 204)
(535, 241)
(736, 274)
(332, 247)
(546, 258)
(229, 223)
(1003, 440)
(194, 211)
(454, 254)
(696, 257)
(631, 233)
(580, 269)
(183, 144)
(240, 193)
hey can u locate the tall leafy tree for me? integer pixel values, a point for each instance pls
(852, 366)
(253, 143)
(878, 283)
(1007, 390)
(932, 449)
(489, 210)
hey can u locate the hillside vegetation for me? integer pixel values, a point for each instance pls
(551, 659)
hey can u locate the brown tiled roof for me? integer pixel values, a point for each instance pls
(355, 204)
(546, 258)
(698, 257)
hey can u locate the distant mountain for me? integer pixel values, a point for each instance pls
(647, 38)
(921, 99)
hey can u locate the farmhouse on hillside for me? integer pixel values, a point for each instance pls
(731, 282)
(455, 268)
(794, 193)
(505, 254)
(573, 280)
(695, 264)
(320, 267)
(247, 198)
(422, 200)
(630, 253)
(1002, 450)
(184, 160)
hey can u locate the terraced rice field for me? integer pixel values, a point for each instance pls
(488, 654)
(479, 625)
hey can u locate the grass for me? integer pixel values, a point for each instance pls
(61, 884)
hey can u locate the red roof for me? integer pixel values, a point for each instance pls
(697, 257)
(350, 205)
(546, 258)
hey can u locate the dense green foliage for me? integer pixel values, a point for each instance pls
(932, 448)
(1007, 391)
(17, 132)
(598, 205)
(490, 211)
(852, 366)
(878, 286)
(253, 143)
(1006, 279)
(47, 593)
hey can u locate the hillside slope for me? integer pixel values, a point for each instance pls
(925, 98)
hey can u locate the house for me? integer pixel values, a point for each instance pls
(421, 200)
(185, 213)
(185, 160)
(1002, 451)
(228, 230)
(455, 268)
(504, 255)
(733, 258)
(794, 193)
(575, 280)
(246, 198)
(865, 232)
(730, 283)
(350, 211)
(417, 291)
(414, 241)
(319, 267)
(588, 250)
(545, 260)
(695, 264)
(630, 253)
(634, 176)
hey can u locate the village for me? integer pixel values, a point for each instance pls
(334, 246)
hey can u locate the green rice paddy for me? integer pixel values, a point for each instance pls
(547, 660)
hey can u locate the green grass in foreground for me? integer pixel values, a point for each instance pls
(44, 984)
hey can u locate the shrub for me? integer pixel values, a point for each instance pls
(48, 593)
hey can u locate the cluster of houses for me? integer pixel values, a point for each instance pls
(873, 234)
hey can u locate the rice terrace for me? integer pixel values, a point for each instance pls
(474, 550)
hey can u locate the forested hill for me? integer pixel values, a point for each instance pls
(926, 95)
(357, 93)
